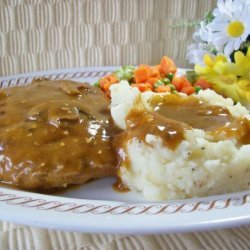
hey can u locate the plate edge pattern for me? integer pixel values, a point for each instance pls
(18, 81)
(128, 209)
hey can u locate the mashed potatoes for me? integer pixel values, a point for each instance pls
(199, 165)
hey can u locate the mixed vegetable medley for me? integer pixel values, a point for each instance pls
(159, 78)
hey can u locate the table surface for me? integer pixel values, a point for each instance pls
(14, 237)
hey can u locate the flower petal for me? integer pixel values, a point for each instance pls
(248, 52)
(208, 60)
(239, 58)
(229, 48)
(220, 42)
(237, 43)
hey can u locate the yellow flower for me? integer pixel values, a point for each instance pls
(241, 67)
(216, 70)
(227, 78)
(243, 89)
(213, 66)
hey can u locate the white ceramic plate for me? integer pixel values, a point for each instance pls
(96, 207)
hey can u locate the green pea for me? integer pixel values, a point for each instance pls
(172, 87)
(197, 88)
(170, 76)
(158, 83)
(166, 81)
(125, 73)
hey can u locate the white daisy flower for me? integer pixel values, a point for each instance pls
(196, 52)
(201, 33)
(230, 26)
(204, 32)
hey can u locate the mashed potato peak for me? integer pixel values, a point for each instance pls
(199, 165)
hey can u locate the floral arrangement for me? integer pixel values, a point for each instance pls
(221, 49)
(224, 30)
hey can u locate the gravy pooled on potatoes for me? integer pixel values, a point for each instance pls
(216, 120)
(172, 115)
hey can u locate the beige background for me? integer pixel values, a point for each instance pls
(39, 35)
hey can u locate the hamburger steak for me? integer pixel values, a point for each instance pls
(55, 133)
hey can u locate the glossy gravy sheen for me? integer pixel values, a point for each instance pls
(140, 123)
(192, 111)
(217, 120)
(55, 133)
(172, 115)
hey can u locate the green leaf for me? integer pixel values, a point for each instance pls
(209, 17)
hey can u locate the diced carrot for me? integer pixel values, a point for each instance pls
(188, 90)
(157, 67)
(149, 86)
(177, 83)
(107, 81)
(141, 74)
(203, 84)
(112, 78)
(185, 82)
(102, 82)
(167, 66)
(152, 80)
(142, 86)
(163, 89)
(106, 86)
(108, 78)
(154, 72)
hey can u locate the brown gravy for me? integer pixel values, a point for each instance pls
(192, 111)
(140, 123)
(217, 120)
(172, 115)
(118, 186)
(55, 133)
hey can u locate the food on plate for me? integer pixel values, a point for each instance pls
(55, 133)
(165, 135)
(159, 78)
(178, 146)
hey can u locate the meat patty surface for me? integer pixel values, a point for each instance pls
(55, 133)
